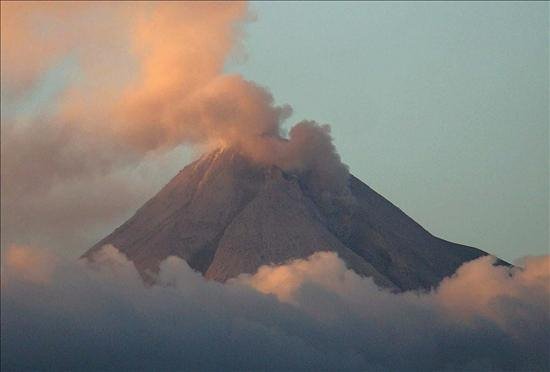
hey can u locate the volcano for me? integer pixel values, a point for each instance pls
(226, 214)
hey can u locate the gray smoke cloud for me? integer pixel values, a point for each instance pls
(137, 95)
(309, 314)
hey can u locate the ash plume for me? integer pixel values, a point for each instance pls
(171, 90)
(149, 78)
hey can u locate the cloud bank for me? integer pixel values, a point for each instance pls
(308, 314)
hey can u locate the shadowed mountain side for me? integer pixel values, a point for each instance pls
(278, 225)
(226, 215)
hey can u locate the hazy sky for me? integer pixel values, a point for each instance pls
(440, 107)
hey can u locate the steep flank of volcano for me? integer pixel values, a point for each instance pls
(226, 215)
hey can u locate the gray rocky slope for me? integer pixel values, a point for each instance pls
(225, 216)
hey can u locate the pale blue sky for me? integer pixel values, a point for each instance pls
(441, 107)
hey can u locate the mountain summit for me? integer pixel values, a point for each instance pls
(226, 215)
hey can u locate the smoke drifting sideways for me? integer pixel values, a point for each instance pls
(149, 78)
(308, 314)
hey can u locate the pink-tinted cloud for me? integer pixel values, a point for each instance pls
(28, 264)
(151, 77)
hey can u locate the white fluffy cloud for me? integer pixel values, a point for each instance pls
(308, 314)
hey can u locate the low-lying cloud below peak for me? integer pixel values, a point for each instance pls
(308, 314)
